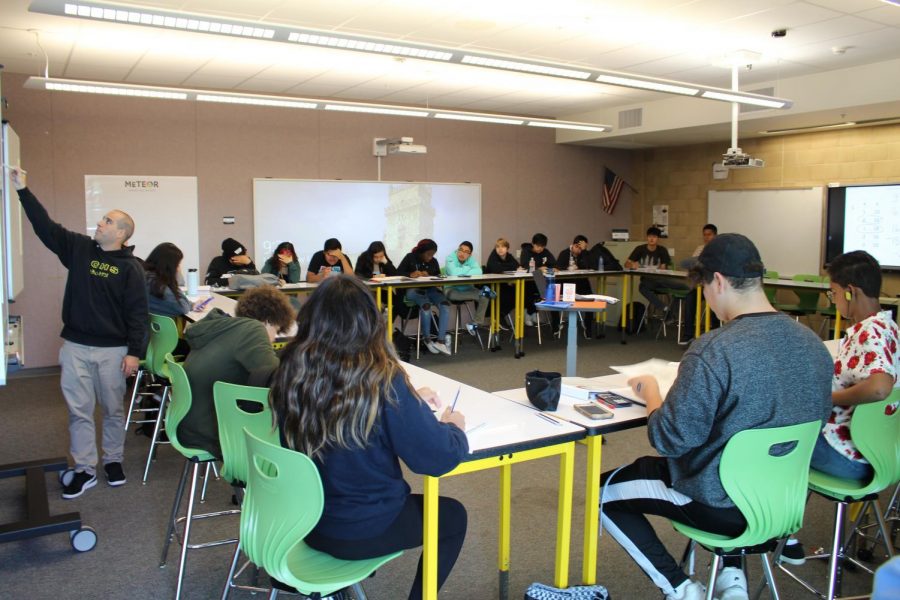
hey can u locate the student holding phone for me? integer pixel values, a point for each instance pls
(327, 261)
(284, 263)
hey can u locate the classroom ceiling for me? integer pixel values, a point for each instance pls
(675, 39)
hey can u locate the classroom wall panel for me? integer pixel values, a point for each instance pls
(529, 182)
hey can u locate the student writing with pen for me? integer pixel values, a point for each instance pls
(341, 397)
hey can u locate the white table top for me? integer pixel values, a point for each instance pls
(625, 418)
(494, 425)
(219, 301)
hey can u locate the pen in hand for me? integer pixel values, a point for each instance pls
(202, 305)
(455, 398)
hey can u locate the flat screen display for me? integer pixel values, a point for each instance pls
(865, 217)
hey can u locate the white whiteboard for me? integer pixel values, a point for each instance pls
(12, 219)
(786, 225)
(164, 209)
(306, 212)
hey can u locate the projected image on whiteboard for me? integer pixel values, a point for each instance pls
(871, 220)
(307, 213)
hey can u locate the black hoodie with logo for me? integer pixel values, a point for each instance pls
(105, 302)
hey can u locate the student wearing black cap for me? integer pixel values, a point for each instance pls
(234, 258)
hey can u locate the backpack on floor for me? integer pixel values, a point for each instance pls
(539, 591)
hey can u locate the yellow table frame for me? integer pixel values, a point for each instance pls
(566, 452)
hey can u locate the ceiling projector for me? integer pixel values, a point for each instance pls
(399, 145)
(736, 159)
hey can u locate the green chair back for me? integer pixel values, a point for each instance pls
(178, 407)
(808, 301)
(284, 501)
(875, 431)
(765, 473)
(233, 420)
(163, 339)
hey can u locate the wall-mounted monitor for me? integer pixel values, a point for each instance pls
(864, 217)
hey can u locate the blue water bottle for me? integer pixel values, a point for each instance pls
(550, 295)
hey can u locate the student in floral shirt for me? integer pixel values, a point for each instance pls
(865, 369)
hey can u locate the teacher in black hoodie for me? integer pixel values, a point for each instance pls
(104, 317)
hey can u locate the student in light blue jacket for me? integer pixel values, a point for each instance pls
(461, 263)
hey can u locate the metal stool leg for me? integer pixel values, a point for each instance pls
(176, 505)
(154, 441)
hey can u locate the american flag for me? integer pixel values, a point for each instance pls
(612, 187)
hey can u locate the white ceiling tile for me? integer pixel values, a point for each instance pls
(266, 86)
(234, 9)
(831, 29)
(851, 7)
(167, 77)
(322, 14)
(315, 89)
(78, 70)
(217, 82)
(884, 14)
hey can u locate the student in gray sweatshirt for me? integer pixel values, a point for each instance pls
(761, 369)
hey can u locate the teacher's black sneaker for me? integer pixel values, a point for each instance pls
(115, 476)
(80, 482)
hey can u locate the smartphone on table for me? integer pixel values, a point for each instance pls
(594, 411)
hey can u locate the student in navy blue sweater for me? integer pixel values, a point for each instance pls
(341, 397)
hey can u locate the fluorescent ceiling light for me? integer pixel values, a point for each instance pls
(363, 45)
(479, 118)
(564, 125)
(735, 97)
(153, 17)
(114, 89)
(286, 103)
(378, 110)
(810, 128)
(644, 84)
(526, 67)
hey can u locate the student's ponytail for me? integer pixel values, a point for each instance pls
(424, 245)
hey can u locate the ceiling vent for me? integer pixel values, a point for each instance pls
(631, 118)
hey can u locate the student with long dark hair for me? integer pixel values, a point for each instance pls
(341, 397)
(374, 262)
(162, 271)
(420, 262)
(284, 263)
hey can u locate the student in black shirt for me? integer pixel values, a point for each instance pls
(374, 263)
(501, 261)
(421, 263)
(653, 255)
(233, 258)
(323, 263)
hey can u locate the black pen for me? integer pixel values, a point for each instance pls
(550, 419)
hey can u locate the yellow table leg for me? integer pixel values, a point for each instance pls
(564, 518)
(378, 298)
(626, 284)
(504, 545)
(591, 509)
(698, 313)
(837, 324)
(429, 539)
(390, 313)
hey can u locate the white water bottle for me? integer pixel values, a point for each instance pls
(531, 265)
(193, 282)
(600, 263)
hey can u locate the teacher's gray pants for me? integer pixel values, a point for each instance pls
(91, 374)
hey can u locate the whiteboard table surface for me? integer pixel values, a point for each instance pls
(625, 418)
(509, 427)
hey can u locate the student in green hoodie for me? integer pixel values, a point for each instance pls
(234, 349)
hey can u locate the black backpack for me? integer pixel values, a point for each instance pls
(609, 261)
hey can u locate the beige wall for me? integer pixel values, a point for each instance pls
(529, 183)
(682, 176)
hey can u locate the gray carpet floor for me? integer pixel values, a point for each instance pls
(131, 520)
